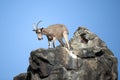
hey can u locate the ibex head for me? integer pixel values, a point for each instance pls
(38, 30)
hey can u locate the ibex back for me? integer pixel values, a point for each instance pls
(53, 32)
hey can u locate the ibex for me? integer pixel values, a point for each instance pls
(53, 32)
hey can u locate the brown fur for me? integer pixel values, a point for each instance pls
(55, 32)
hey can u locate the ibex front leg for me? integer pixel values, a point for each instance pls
(49, 44)
(53, 42)
(49, 41)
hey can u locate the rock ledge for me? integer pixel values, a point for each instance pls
(94, 61)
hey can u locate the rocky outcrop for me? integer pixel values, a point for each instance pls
(88, 59)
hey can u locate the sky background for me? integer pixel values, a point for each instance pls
(17, 39)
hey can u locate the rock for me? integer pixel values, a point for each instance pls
(21, 76)
(88, 59)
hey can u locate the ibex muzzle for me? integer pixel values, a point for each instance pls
(53, 32)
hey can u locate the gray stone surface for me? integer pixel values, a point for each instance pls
(94, 60)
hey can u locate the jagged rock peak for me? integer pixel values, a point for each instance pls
(86, 39)
(88, 59)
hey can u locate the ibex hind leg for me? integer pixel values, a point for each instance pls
(65, 35)
(61, 42)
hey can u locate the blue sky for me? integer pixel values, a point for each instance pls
(17, 17)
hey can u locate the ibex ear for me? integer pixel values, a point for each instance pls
(41, 28)
(33, 30)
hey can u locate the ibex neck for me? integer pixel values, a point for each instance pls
(44, 31)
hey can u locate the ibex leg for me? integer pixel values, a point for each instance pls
(65, 35)
(61, 42)
(53, 42)
(49, 44)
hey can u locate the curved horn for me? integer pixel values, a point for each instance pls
(35, 25)
(38, 23)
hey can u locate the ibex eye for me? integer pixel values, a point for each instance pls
(38, 32)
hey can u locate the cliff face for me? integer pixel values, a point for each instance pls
(88, 59)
